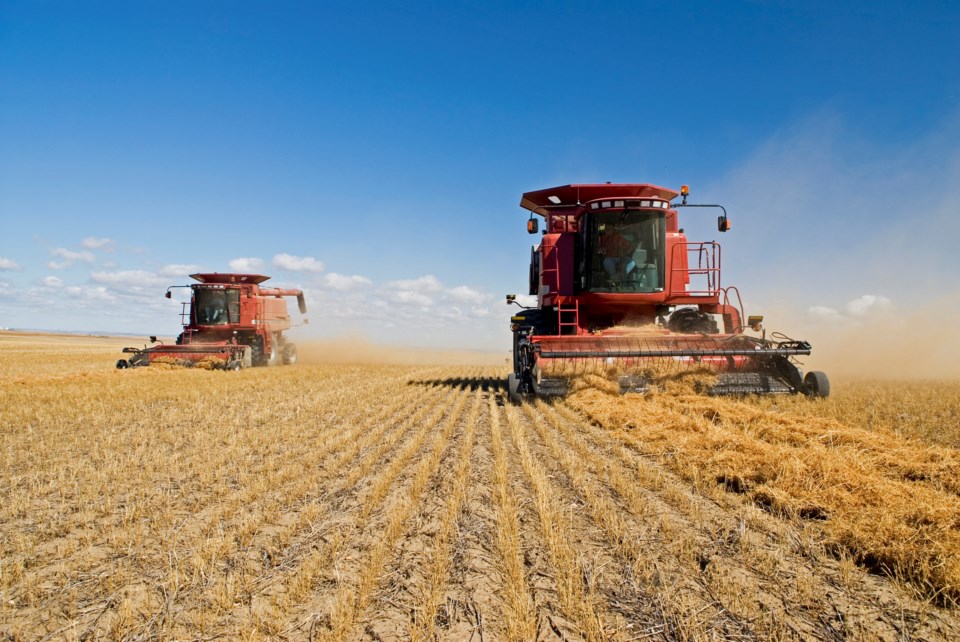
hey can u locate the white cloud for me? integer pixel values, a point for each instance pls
(407, 297)
(822, 313)
(69, 258)
(428, 283)
(130, 280)
(9, 264)
(52, 282)
(866, 307)
(178, 269)
(249, 265)
(346, 283)
(863, 305)
(466, 294)
(94, 243)
(97, 294)
(298, 263)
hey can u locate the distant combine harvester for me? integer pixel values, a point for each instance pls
(230, 322)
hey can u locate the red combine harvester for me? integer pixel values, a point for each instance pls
(622, 292)
(230, 322)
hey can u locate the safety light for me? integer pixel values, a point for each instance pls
(684, 190)
(754, 321)
(532, 225)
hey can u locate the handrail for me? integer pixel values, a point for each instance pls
(707, 265)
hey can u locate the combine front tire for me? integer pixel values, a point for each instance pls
(289, 354)
(123, 364)
(816, 384)
(513, 388)
(692, 321)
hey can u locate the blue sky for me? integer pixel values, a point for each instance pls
(390, 143)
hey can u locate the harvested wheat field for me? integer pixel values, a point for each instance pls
(409, 501)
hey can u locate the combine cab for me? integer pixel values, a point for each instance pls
(230, 322)
(621, 292)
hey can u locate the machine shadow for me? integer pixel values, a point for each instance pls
(489, 384)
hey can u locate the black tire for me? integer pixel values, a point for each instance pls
(289, 354)
(123, 364)
(513, 389)
(272, 356)
(816, 384)
(692, 321)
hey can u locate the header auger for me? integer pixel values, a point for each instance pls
(621, 292)
(230, 322)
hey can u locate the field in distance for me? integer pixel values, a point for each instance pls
(408, 501)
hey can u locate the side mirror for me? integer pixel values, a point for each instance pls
(511, 298)
(533, 226)
(723, 224)
(168, 294)
(153, 339)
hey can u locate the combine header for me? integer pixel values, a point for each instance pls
(230, 322)
(622, 292)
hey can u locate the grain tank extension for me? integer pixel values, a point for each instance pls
(621, 292)
(230, 322)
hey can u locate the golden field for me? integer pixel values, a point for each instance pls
(361, 501)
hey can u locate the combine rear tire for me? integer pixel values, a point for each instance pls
(816, 384)
(513, 388)
(289, 354)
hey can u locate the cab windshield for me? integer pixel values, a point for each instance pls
(216, 306)
(625, 251)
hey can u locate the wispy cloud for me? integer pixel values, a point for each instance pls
(346, 283)
(867, 306)
(129, 280)
(298, 263)
(248, 265)
(69, 257)
(427, 283)
(9, 264)
(94, 243)
(466, 294)
(174, 270)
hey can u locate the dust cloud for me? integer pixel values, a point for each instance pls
(850, 243)
(354, 349)
(922, 343)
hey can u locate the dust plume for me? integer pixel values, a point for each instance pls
(849, 243)
(354, 349)
(922, 343)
